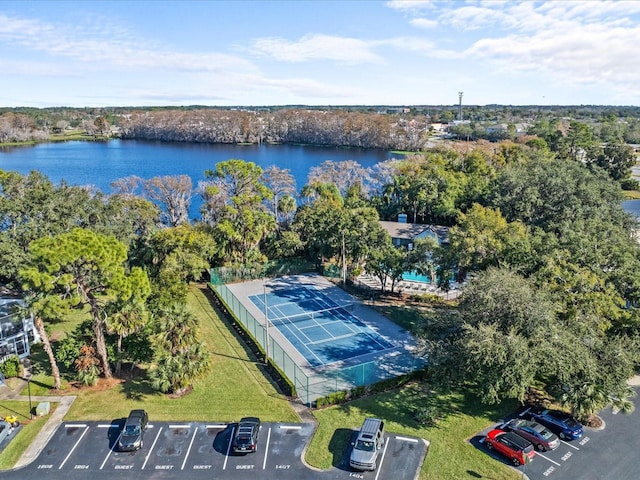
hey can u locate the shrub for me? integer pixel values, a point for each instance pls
(11, 367)
(630, 184)
(427, 416)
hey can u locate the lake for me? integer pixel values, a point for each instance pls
(100, 163)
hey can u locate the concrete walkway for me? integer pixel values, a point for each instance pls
(54, 421)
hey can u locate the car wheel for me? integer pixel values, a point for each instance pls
(541, 448)
(562, 436)
(490, 445)
(516, 462)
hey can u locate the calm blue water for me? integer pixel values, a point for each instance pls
(632, 207)
(100, 163)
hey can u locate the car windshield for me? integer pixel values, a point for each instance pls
(131, 430)
(544, 434)
(570, 422)
(364, 445)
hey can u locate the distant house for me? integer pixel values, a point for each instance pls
(405, 234)
(16, 331)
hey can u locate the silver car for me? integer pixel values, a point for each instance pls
(368, 445)
(538, 434)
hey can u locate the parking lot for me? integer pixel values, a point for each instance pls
(199, 450)
(608, 453)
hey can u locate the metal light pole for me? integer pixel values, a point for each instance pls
(29, 392)
(266, 321)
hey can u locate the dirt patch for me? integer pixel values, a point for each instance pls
(101, 385)
(594, 421)
(182, 393)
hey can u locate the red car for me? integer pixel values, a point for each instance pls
(513, 446)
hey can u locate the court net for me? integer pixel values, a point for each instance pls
(337, 312)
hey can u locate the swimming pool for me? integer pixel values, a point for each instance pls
(415, 277)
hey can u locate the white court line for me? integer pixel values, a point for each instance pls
(291, 427)
(547, 458)
(569, 445)
(151, 449)
(412, 440)
(386, 444)
(266, 450)
(74, 447)
(226, 457)
(189, 449)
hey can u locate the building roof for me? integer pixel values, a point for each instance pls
(409, 231)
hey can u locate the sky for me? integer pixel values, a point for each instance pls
(318, 52)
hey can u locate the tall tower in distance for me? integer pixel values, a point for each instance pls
(460, 105)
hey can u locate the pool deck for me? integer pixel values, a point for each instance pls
(411, 287)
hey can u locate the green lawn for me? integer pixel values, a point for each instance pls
(234, 387)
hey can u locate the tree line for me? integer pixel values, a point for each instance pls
(550, 259)
(383, 127)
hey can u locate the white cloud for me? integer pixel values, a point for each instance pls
(410, 5)
(423, 23)
(106, 47)
(317, 47)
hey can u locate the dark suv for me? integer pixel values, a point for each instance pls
(246, 438)
(131, 437)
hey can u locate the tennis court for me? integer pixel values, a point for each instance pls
(322, 330)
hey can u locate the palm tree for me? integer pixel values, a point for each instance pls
(181, 358)
(42, 307)
(123, 319)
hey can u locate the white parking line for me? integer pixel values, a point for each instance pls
(179, 426)
(111, 450)
(525, 412)
(217, 425)
(226, 457)
(405, 439)
(109, 425)
(75, 425)
(74, 447)
(189, 449)
(290, 427)
(386, 444)
(151, 449)
(266, 450)
(569, 445)
(538, 454)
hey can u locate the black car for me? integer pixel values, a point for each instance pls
(131, 437)
(246, 437)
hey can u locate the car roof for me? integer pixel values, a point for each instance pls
(136, 415)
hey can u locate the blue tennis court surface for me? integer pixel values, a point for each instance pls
(320, 329)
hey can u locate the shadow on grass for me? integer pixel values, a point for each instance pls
(402, 404)
(340, 447)
(3, 406)
(138, 386)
